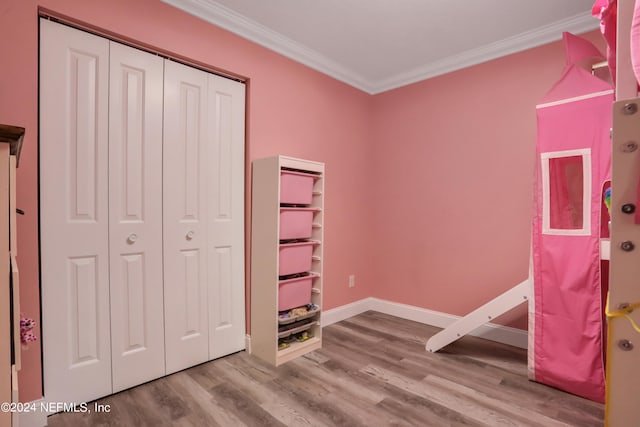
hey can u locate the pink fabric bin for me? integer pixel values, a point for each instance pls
(295, 258)
(296, 188)
(296, 223)
(294, 292)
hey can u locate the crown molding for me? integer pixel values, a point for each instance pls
(552, 32)
(240, 25)
(223, 17)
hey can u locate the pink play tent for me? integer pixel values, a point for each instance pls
(566, 331)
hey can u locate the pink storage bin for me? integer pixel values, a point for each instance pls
(296, 188)
(295, 258)
(294, 292)
(296, 223)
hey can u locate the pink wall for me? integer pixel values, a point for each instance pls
(292, 110)
(454, 159)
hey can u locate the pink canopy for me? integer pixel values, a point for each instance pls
(574, 163)
(607, 12)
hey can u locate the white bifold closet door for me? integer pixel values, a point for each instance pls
(135, 216)
(142, 215)
(225, 218)
(74, 220)
(185, 228)
(203, 216)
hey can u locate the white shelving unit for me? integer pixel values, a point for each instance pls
(265, 241)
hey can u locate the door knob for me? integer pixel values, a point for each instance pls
(190, 235)
(132, 238)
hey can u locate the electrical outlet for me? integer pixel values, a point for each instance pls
(352, 280)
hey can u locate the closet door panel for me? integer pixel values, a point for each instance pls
(184, 222)
(74, 213)
(225, 189)
(135, 216)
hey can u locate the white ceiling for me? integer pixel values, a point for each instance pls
(377, 45)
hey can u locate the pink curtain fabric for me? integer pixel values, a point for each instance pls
(578, 51)
(567, 342)
(607, 12)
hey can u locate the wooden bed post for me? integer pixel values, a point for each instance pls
(623, 346)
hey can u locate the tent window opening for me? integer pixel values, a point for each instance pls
(566, 191)
(566, 186)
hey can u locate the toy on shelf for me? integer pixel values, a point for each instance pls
(298, 313)
(294, 325)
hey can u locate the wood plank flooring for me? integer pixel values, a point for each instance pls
(373, 370)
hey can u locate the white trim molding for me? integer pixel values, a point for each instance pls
(574, 99)
(545, 159)
(249, 29)
(335, 315)
(490, 331)
(221, 16)
(549, 33)
(247, 343)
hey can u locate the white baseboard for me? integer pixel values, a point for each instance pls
(490, 331)
(247, 343)
(346, 311)
(36, 418)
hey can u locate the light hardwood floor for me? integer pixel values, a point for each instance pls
(373, 370)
